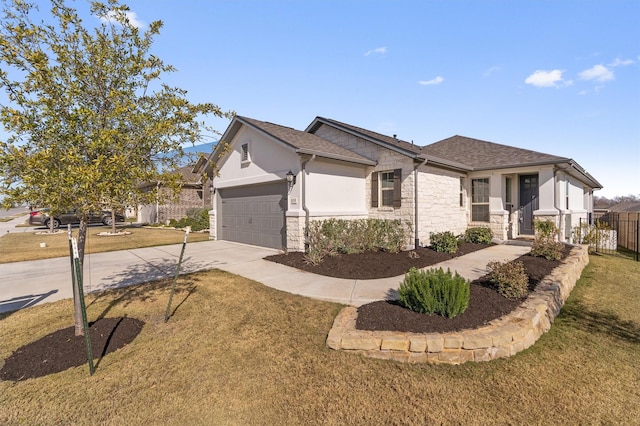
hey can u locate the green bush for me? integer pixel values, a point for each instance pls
(434, 291)
(510, 278)
(444, 242)
(545, 244)
(197, 219)
(478, 235)
(332, 237)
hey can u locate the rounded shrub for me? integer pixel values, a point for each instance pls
(510, 278)
(478, 235)
(434, 292)
(444, 242)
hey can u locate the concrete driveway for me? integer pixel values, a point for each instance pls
(24, 284)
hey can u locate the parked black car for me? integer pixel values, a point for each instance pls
(43, 218)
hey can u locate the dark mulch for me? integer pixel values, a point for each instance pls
(485, 304)
(61, 349)
(371, 265)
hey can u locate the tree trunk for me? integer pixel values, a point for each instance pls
(77, 309)
(113, 221)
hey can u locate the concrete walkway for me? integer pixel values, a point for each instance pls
(24, 284)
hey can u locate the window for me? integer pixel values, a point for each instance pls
(480, 200)
(386, 188)
(244, 152)
(462, 197)
(566, 192)
(507, 188)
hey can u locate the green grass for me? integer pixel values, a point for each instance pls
(17, 247)
(236, 352)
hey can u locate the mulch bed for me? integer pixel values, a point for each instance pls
(485, 303)
(371, 265)
(62, 349)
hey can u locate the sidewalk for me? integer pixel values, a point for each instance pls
(24, 284)
(12, 225)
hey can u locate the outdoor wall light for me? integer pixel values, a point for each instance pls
(291, 179)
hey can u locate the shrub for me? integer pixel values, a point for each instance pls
(444, 242)
(478, 235)
(434, 291)
(545, 244)
(332, 237)
(197, 219)
(596, 236)
(510, 278)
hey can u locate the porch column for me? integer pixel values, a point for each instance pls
(498, 216)
(547, 197)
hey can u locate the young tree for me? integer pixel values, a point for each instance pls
(87, 114)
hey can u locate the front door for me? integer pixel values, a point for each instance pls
(528, 203)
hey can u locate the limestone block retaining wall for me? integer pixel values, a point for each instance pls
(501, 338)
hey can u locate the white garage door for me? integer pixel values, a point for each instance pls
(253, 215)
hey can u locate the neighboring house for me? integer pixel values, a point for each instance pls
(342, 171)
(195, 193)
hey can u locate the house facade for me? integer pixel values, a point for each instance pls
(194, 194)
(271, 181)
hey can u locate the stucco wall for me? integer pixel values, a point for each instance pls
(269, 161)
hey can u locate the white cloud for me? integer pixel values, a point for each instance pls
(131, 16)
(432, 82)
(377, 50)
(598, 73)
(542, 78)
(621, 62)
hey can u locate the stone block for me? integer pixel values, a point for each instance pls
(500, 352)
(334, 339)
(476, 341)
(452, 341)
(418, 357)
(417, 344)
(502, 338)
(435, 343)
(516, 347)
(450, 356)
(394, 343)
(359, 342)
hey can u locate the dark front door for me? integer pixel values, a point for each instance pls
(528, 202)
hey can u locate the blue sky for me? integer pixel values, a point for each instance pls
(561, 77)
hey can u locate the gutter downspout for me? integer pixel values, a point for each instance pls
(416, 240)
(304, 200)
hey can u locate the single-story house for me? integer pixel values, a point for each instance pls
(195, 193)
(272, 180)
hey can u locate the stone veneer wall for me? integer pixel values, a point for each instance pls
(503, 337)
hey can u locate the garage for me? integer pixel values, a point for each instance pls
(253, 214)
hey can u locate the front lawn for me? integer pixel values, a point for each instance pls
(17, 247)
(237, 352)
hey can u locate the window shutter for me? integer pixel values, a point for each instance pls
(397, 188)
(374, 189)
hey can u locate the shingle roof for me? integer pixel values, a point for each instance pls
(368, 134)
(306, 143)
(482, 155)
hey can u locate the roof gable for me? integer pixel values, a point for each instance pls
(301, 142)
(483, 155)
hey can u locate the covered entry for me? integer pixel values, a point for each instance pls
(253, 214)
(528, 203)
